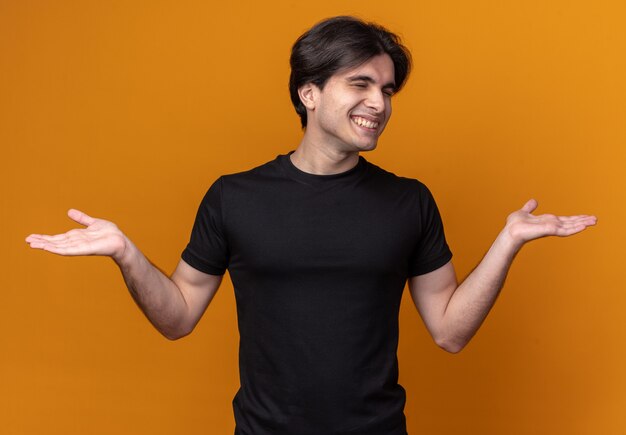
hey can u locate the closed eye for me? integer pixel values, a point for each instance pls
(363, 81)
(362, 85)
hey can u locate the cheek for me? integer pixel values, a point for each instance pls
(388, 111)
(331, 107)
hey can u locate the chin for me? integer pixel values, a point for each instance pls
(369, 147)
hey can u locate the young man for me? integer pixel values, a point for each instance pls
(319, 244)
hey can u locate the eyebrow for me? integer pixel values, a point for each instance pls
(368, 79)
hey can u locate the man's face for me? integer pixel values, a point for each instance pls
(352, 110)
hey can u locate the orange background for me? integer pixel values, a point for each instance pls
(129, 110)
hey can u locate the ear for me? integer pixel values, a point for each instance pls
(308, 95)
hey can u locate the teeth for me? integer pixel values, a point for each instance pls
(364, 122)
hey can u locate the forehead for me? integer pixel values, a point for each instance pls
(379, 68)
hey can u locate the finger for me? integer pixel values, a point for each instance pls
(36, 244)
(582, 219)
(38, 238)
(530, 206)
(65, 250)
(577, 216)
(69, 247)
(570, 230)
(54, 238)
(70, 235)
(80, 217)
(32, 237)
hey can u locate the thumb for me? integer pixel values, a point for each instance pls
(80, 217)
(530, 206)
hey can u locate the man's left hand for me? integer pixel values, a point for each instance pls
(522, 226)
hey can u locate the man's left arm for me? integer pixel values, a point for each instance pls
(453, 312)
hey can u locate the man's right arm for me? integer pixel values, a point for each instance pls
(173, 305)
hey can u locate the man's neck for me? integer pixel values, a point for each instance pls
(318, 159)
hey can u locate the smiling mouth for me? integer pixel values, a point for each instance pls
(362, 122)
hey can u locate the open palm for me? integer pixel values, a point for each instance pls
(523, 226)
(100, 237)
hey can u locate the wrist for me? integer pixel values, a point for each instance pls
(123, 253)
(509, 240)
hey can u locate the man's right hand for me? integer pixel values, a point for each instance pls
(173, 305)
(100, 237)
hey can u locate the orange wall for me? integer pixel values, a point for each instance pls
(129, 110)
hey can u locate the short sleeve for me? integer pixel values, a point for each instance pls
(431, 251)
(207, 250)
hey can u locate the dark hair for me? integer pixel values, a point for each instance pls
(338, 43)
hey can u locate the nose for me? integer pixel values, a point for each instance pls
(376, 100)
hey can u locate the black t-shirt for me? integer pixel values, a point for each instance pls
(318, 264)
